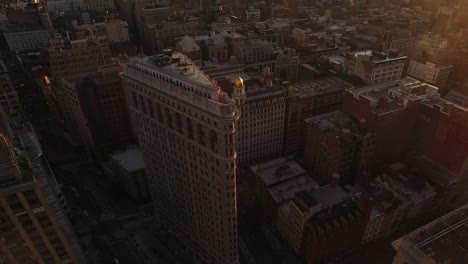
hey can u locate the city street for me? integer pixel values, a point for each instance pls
(103, 216)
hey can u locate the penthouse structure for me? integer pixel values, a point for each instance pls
(375, 67)
(33, 218)
(441, 241)
(186, 128)
(309, 99)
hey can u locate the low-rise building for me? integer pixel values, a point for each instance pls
(401, 43)
(401, 196)
(127, 168)
(253, 51)
(28, 28)
(390, 110)
(430, 72)
(95, 104)
(57, 6)
(27, 39)
(459, 97)
(375, 67)
(117, 31)
(189, 47)
(69, 57)
(97, 5)
(163, 35)
(309, 99)
(324, 223)
(338, 149)
(252, 14)
(441, 241)
(275, 182)
(287, 65)
(215, 47)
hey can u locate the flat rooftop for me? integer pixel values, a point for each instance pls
(334, 123)
(285, 190)
(389, 96)
(378, 57)
(444, 240)
(308, 89)
(408, 185)
(278, 170)
(102, 75)
(284, 178)
(329, 195)
(179, 66)
(325, 197)
(130, 159)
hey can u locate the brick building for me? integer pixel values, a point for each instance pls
(389, 109)
(309, 99)
(95, 104)
(337, 148)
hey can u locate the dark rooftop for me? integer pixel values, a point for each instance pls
(444, 240)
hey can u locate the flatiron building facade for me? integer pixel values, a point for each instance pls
(186, 125)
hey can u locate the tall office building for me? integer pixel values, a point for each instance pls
(338, 148)
(9, 100)
(260, 127)
(96, 105)
(68, 57)
(186, 125)
(309, 99)
(34, 227)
